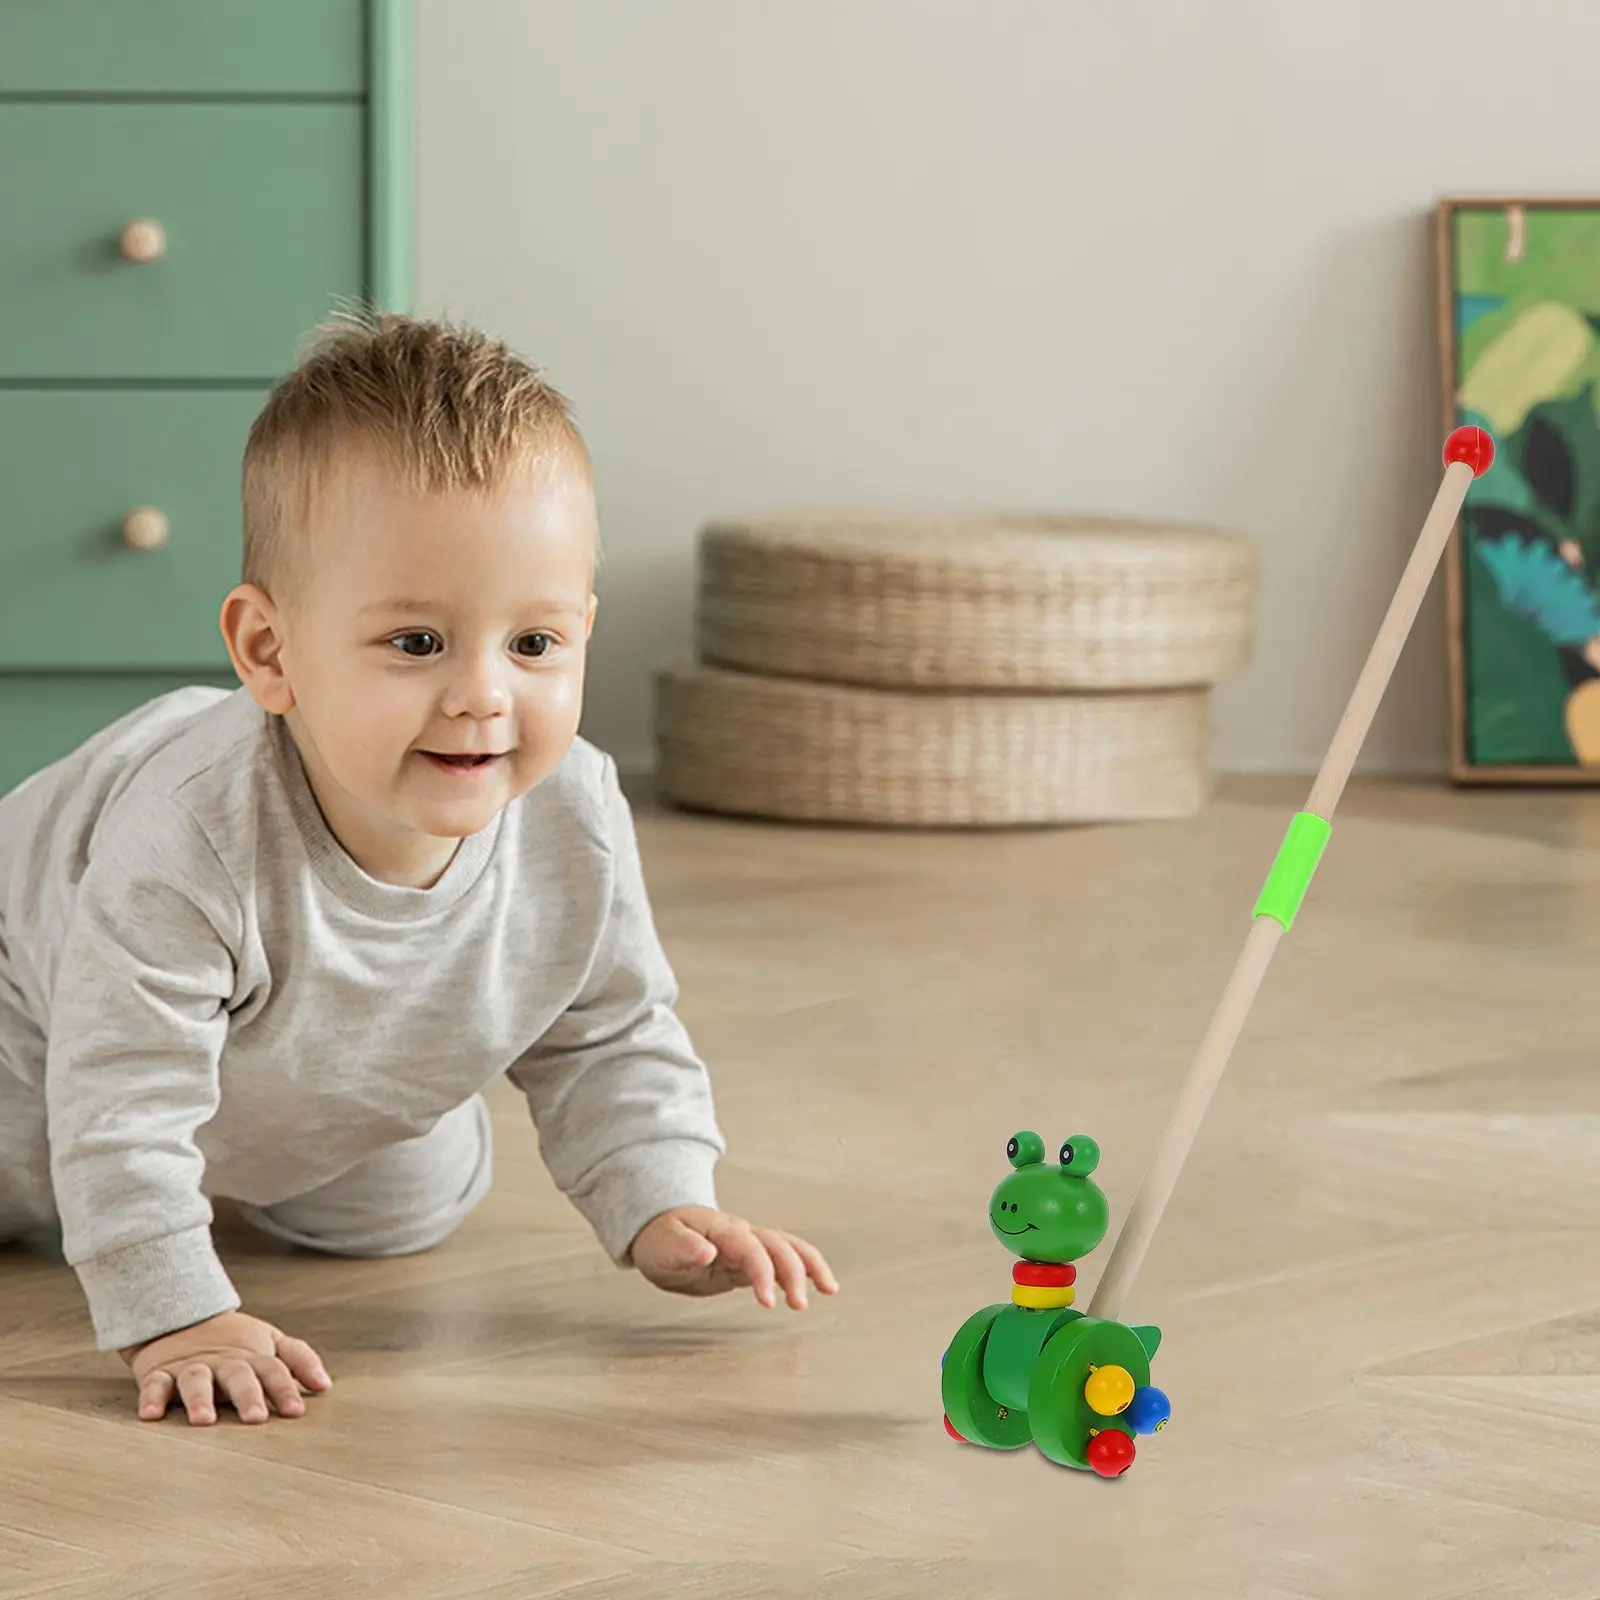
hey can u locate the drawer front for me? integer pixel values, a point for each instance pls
(73, 592)
(261, 212)
(43, 718)
(181, 47)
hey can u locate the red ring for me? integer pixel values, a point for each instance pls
(1044, 1274)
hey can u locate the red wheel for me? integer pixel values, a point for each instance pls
(952, 1432)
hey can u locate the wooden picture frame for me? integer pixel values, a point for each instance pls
(1518, 306)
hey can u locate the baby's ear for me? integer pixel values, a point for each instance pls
(252, 629)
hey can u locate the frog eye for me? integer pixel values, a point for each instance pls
(1080, 1154)
(1025, 1149)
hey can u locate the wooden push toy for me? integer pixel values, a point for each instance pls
(1077, 1385)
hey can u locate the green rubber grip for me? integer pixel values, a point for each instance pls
(1292, 871)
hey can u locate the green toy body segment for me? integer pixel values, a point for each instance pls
(975, 1414)
(1035, 1370)
(1016, 1337)
(1294, 868)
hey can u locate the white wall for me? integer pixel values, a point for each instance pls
(1161, 257)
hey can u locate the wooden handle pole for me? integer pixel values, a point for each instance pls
(1396, 628)
(1229, 1018)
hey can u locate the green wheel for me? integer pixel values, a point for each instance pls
(1060, 1413)
(971, 1410)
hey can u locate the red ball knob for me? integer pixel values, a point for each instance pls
(1110, 1453)
(1472, 446)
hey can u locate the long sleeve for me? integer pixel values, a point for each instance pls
(138, 1021)
(621, 1101)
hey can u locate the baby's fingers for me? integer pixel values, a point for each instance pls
(303, 1362)
(281, 1388)
(238, 1381)
(155, 1395)
(791, 1269)
(194, 1385)
(821, 1272)
(742, 1250)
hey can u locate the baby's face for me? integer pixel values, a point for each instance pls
(435, 656)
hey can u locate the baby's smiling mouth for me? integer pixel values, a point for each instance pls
(1014, 1232)
(462, 763)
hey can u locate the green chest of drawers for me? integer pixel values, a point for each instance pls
(187, 187)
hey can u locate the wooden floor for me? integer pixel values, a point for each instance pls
(1379, 1279)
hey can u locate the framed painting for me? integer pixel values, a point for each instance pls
(1519, 324)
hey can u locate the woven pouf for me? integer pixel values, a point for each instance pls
(977, 601)
(792, 749)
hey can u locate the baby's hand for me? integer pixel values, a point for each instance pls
(243, 1359)
(693, 1250)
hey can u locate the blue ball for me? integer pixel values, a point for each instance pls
(1148, 1411)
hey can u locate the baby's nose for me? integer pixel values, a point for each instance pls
(479, 690)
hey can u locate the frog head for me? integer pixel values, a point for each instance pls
(1049, 1210)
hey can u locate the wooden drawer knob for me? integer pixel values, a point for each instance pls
(145, 529)
(144, 240)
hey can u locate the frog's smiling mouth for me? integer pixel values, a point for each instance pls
(1018, 1232)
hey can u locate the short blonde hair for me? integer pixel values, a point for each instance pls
(447, 407)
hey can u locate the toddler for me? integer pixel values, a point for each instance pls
(272, 944)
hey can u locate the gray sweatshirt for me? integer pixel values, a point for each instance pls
(233, 1008)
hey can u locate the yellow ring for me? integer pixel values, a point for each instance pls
(1051, 1299)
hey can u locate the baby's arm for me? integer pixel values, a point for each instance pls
(624, 1111)
(138, 1019)
(621, 1100)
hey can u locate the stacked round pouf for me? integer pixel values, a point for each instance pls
(970, 671)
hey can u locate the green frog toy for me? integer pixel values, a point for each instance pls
(1077, 1387)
